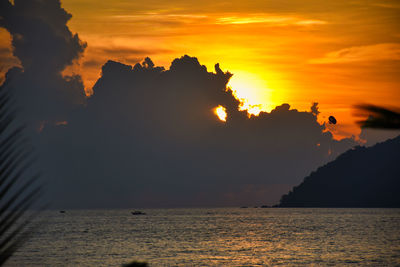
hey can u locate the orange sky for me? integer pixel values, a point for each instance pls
(339, 53)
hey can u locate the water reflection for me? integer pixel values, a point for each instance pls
(217, 237)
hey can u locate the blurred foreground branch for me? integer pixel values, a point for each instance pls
(18, 189)
(378, 117)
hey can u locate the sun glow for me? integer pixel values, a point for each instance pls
(220, 111)
(252, 92)
(277, 55)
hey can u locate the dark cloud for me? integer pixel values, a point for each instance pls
(40, 36)
(314, 109)
(6, 60)
(149, 136)
(44, 45)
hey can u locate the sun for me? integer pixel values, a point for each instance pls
(252, 91)
(220, 111)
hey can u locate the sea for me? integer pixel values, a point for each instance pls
(215, 237)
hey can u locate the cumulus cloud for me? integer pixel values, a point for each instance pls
(44, 46)
(148, 136)
(385, 51)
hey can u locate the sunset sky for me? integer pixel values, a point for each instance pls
(337, 54)
(127, 107)
(114, 135)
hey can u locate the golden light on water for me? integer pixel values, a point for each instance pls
(220, 111)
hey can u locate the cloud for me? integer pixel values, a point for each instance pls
(384, 51)
(44, 46)
(131, 51)
(148, 136)
(178, 19)
(155, 15)
(309, 22)
(387, 5)
(31, 21)
(266, 19)
(161, 18)
(7, 60)
(100, 55)
(92, 63)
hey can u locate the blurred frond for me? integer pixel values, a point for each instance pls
(378, 117)
(18, 189)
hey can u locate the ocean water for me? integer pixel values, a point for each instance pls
(215, 237)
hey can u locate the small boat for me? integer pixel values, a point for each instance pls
(62, 211)
(138, 212)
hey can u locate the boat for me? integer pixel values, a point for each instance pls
(138, 212)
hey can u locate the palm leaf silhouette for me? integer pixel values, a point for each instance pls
(18, 190)
(379, 117)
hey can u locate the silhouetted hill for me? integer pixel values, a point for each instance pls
(360, 177)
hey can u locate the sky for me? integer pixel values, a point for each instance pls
(337, 54)
(114, 128)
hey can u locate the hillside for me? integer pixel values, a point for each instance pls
(360, 177)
